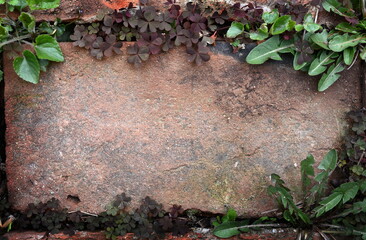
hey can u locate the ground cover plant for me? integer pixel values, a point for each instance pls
(325, 209)
(286, 28)
(19, 27)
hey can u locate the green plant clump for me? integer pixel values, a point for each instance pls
(322, 211)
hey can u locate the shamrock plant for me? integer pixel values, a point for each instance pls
(40, 38)
(316, 49)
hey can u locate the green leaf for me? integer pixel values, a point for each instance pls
(18, 3)
(235, 30)
(268, 50)
(341, 42)
(329, 161)
(307, 170)
(47, 48)
(295, 62)
(27, 67)
(43, 4)
(1, 75)
(43, 64)
(331, 76)
(319, 64)
(299, 27)
(349, 55)
(347, 28)
(230, 229)
(281, 25)
(321, 39)
(3, 33)
(336, 7)
(230, 216)
(270, 17)
(28, 21)
(328, 204)
(309, 24)
(261, 34)
(348, 190)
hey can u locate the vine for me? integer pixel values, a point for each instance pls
(21, 28)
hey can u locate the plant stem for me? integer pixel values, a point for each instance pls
(15, 40)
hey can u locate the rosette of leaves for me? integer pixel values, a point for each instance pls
(107, 47)
(42, 37)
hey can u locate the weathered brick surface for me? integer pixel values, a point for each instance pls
(200, 136)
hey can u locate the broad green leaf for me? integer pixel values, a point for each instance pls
(331, 76)
(329, 161)
(310, 25)
(261, 34)
(268, 50)
(328, 204)
(307, 170)
(349, 55)
(363, 186)
(235, 30)
(347, 28)
(27, 67)
(281, 25)
(43, 4)
(47, 48)
(336, 7)
(2, 1)
(3, 33)
(230, 229)
(341, 42)
(319, 64)
(28, 21)
(321, 39)
(270, 17)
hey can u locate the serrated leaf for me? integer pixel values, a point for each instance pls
(341, 42)
(307, 170)
(235, 30)
(347, 28)
(319, 64)
(43, 4)
(336, 7)
(48, 48)
(349, 55)
(348, 190)
(268, 50)
(331, 76)
(27, 67)
(282, 24)
(229, 229)
(328, 204)
(329, 161)
(28, 21)
(270, 17)
(321, 39)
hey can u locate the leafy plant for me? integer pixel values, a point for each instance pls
(319, 210)
(40, 37)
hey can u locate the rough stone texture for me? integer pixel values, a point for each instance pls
(200, 136)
